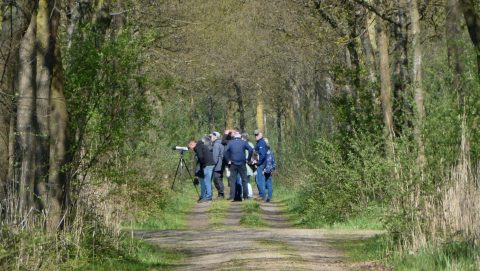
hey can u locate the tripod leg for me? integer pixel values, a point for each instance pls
(176, 172)
(188, 171)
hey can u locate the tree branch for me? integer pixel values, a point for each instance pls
(371, 8)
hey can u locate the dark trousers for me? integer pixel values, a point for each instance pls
(218, 182)
(234, 170)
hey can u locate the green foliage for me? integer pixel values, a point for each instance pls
(340, 188)
(107, 104)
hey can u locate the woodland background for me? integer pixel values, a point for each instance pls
(371, 106)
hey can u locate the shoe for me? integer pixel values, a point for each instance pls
(268, 200)
(199, 199)
(205, 200)
(220, 197)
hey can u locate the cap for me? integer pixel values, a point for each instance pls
(216, 134)
(257, 132)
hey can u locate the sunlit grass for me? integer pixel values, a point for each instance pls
(252, 214)
(142, 256)
(217, 212)
(172, 216)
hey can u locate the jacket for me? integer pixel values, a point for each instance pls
(235, 151)
(204, 155)
(217, 152)
(261, 148)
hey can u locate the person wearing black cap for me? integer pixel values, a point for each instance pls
(217, 151)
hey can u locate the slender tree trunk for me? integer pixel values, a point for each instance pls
(25, 151)
(259, 112)
(417, 82)
(279, 130)
(473, 24)
(241, 108)
(386, 87)
(401, 107)
(369, 55)
(230, 121)
(210, 113)
(454, 46)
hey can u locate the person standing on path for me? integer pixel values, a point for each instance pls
(270, 166)
(261, 150)
(205, 168)
(217, 153)
(250, 171)
(235, 155)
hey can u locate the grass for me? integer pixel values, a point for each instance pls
(368, 219)
(142, 256)
(252, 216)
(450, 256)
(217, 212)
(445, 257)
(275, 244)
(169, 217)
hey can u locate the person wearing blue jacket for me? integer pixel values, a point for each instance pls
(236, 160)
(261, 149)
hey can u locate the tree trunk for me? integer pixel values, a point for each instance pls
(473, 24)
(43, 80)
(210, 113)
(241, 108)
(230, 121)
(401, 105)
(279, 130)
(260, 112)
(454, 46)
(417, 82)
(386, 87)
(25, 151)
(58, 189)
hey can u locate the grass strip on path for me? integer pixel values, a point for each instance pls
(217, 212)
(252, 214)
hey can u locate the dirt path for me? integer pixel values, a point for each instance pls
(275, 247)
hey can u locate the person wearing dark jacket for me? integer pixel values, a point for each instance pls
(217, 152)
(261, 150)
(205, 165)
(235, 155)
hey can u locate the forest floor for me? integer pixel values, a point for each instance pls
(275, 245)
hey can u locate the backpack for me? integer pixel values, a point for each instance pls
(271, 164)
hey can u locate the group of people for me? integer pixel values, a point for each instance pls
(234, 155)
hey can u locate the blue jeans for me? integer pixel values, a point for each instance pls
(268, 185)
(261, 181)
(206, 183)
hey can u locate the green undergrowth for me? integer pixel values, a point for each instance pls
(457, 255)
(252, 214)
(170, 215)
(369, 218)
(217, 212)
(140, 256)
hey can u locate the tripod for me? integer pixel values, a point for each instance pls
(181, 165)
